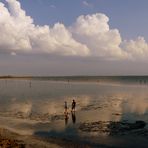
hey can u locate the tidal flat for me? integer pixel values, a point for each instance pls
(110, 113)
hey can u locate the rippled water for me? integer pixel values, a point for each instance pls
(33, 106)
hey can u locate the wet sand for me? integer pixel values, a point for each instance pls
(10, 139)
(103, 134)
(120, 134)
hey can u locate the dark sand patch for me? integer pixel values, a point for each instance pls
(114, 128)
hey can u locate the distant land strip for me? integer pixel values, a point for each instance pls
(135, 79)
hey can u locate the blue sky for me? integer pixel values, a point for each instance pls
(74, 37)
(129, 16)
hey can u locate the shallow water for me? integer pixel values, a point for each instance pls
(37, 107)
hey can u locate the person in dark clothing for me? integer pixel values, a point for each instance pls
(73, 105)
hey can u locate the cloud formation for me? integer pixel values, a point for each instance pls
(86, 4)
(89, 36)
(20, 34)
(52, 6)
(137, 49)
(93, 31)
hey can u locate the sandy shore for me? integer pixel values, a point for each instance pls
(122, 134)
(9, 139)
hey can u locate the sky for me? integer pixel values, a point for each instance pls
(73, 37)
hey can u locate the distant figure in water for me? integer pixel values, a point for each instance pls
(73, 117)
(73, 105)
(66, 107)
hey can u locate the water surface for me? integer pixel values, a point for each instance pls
(36, 107)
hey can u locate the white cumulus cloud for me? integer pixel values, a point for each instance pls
(93, 31)
(20, 34)
(137, 49)
(89, 36)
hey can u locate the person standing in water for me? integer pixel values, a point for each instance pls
(73, 105)
(66, 107)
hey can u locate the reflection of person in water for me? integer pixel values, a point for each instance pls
(73, 117)
(73, 105)
(66, 113)
(66, 118)
(66, 107)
